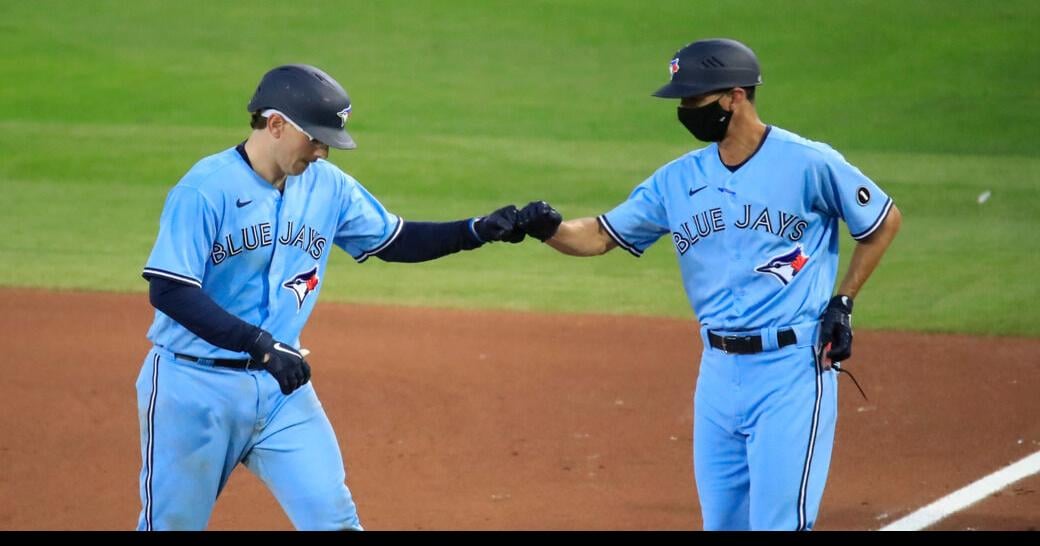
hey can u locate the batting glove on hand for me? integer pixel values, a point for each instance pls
(499, 226)
(539, 220)
(283, 362)
(836, 329)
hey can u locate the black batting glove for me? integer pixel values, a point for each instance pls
(539, 220)
(283, 362)
(499, 226)
(836, 328)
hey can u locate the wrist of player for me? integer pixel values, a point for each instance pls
(838, 314)
(262, 345)
(539, 220)
(841, 302)
(473, 225)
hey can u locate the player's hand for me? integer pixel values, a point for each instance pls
(286, 364)
(836, 329)
(539, 220)
(500, 226)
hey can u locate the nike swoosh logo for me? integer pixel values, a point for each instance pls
(242, 203)
(288, 350)
(697, 190)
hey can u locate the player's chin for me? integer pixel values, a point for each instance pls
(299, 167)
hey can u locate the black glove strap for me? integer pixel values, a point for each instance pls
(841, 302)
(260, 347)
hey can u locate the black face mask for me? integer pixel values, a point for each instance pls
(707, 123)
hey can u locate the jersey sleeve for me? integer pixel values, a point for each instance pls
(365, 227)
(187, 230)
(640, 220)
(849, 194)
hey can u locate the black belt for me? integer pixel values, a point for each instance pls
(223, 362)
(746, 345)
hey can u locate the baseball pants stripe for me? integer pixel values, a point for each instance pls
(803, 490)
(150, 457)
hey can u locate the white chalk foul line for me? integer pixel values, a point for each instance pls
(968, 495)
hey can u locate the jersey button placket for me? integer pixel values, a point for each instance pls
(273, 268)
(731, 235)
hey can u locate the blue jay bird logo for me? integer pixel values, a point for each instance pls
(785, 266)
(344, 116)
(303, 284)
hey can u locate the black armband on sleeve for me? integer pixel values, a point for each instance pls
(423, 241)
(192, 308)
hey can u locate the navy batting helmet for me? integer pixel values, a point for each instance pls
(711, 65)
(310, 98)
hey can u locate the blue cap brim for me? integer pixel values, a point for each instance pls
(335, 138)
(676, 90)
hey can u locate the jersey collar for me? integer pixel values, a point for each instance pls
(734, 168)
(241, 149)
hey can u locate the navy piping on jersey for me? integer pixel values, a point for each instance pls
(877, 223)
(617, 238)
(734, 168)
(153, 272)
(241, 149)
(803, 490)
(369, 253)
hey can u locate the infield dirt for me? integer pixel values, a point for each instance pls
(454, 419)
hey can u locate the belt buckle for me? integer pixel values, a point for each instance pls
(252, 365)
(726, 340)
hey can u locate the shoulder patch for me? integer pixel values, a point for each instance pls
(862, 196)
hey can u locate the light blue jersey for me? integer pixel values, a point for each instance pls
(258, 253)
(757, 247)
(758, 250)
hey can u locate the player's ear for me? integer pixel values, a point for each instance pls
(275, 125)
(737, 95)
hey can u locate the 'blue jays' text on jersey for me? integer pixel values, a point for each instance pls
(257, 252)
(757, 247)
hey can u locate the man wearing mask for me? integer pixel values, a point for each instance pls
(753, 218)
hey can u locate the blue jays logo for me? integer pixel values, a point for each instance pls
(344, 115)
(673, 67)
(303, 284)
(785, 266)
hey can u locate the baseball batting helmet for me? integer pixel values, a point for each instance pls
(711, 65)
(310, 98)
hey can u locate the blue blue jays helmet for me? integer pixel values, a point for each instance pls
(311, 99)
(711, 65)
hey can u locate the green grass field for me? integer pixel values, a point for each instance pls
(461, 107)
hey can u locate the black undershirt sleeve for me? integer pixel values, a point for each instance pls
(192, 308)
(423, 241)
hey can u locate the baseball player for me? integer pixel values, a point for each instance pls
(753, 218)
(243, 243)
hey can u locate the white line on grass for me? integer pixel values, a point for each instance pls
(968, 495)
